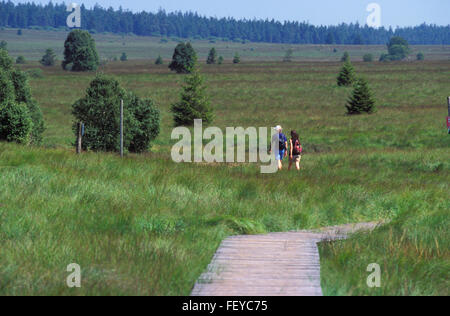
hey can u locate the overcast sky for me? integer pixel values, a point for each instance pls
(327, 12)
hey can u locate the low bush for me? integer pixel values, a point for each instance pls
(15, 122)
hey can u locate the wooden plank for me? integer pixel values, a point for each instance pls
(277, 264)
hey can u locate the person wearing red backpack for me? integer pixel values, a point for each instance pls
(295, 150)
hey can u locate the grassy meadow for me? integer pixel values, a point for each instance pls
(144, 225)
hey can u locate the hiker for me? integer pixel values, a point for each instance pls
(295, 150)
(282, 153)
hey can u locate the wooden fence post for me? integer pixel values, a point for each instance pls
(121, 128)
(448, 102)
(79, 138)
(448, 117)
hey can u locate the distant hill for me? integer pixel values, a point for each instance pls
(192, 25)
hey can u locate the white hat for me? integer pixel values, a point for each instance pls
(278, 128)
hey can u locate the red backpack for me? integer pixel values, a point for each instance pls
(298, 149)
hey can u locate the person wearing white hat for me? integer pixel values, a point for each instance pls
(282, 152)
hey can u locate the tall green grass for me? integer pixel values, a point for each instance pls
(412, 251)
(145, 225)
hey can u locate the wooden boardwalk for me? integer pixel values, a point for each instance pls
(277, 264)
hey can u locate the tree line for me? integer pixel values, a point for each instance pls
(193, 25)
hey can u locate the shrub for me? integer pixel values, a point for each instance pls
(4, 45)
(399, 53)
(14, 89)
(19, 32)
(23, 95)
(159, 60)
(21, 87)
(49, 58)
(15, 122)
(420, 56)
(361, 99)
(148, 120)
(368, 58)
(398, 49)
(288, 56)
(6, 87)
(347, 75)
(99, 110)
(80, 53)
(35, 73)
(212, 57)
(220, 60)
(385, 57)
(345, 57)
(184, 58)
(6, 62)
(20, 60)
(193, 103)
(236, 59)
(124, 57)
(38, 122)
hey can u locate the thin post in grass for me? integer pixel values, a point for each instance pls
(121, 128)
(448, 117)
(448, 102)
(79, 137)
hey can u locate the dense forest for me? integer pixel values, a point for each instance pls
(192, 25)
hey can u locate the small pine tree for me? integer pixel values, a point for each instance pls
(194, 103)
(288, 56)
(49, 59)
(368, 58)
(347, 75)
(3, 45)
(159, 60)
(212, 57)
(19, 32)
(361, 99)
(220, 61)
(184, 58)
(124, 57)
(345, 57)
(20, 60)
(420, 56)
(236, 59)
